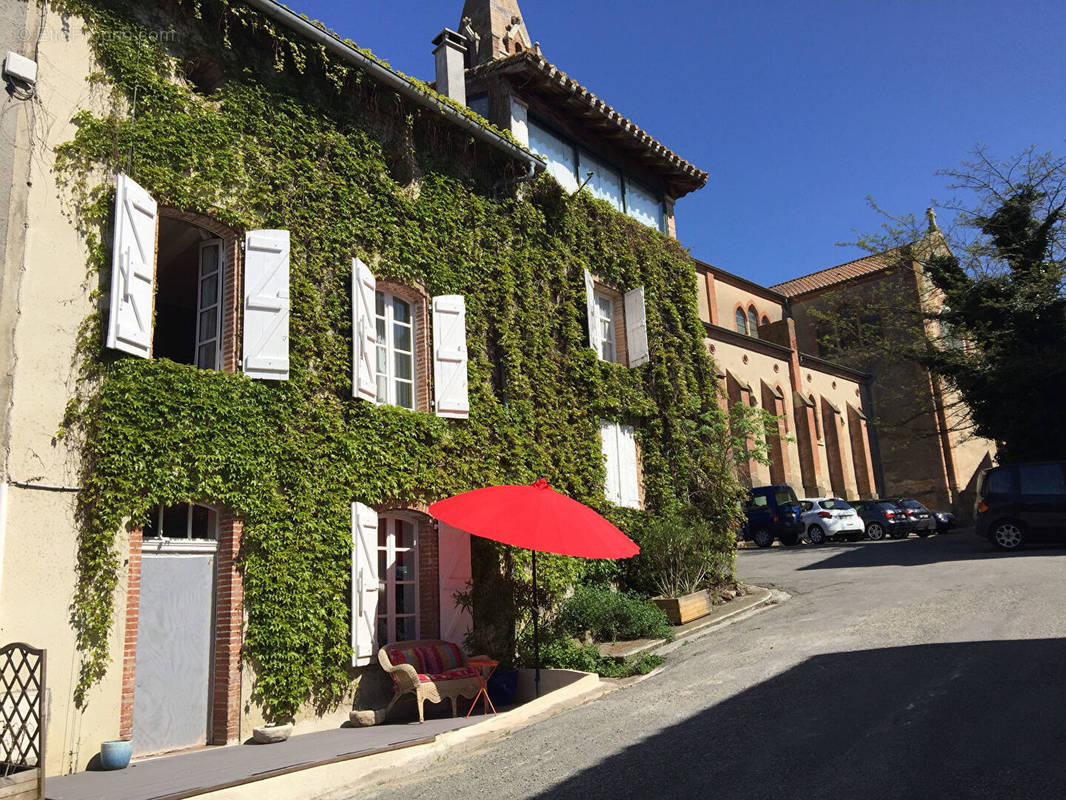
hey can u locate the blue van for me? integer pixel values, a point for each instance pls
(773, 512)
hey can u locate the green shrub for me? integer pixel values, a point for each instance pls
(680, 552)
(610, 616)
(565, 653)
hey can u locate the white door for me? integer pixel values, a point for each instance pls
(455, 576)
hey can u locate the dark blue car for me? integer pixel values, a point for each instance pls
(773, 512)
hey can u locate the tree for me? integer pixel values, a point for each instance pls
(996, 320)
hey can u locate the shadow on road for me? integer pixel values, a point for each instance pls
(979, 719)
(915, 552)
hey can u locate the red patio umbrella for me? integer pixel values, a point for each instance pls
(538, 518)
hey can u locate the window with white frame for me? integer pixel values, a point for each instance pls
(182, 521)
(620, 456)
(397, 607)
(395, 351)
(614, 317)
(605, 324)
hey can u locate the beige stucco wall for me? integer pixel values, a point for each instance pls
(46, 285)
(756, 369)
(840, 392)
(728, 296)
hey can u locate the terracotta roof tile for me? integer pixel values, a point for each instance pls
(825, 278)
(682, 176)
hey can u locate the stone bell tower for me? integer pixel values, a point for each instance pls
(497, 29)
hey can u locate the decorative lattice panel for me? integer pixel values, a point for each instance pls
(21, 707)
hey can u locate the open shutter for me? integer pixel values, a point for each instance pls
(629, 486)
(590, 302)
(129, 327)
(636, 327)
(609, 445)
(266, 305)
(364, 332)
(364, 583)
(453, 548)
(450, 357)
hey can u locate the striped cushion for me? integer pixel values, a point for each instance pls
(429, 660)
(461, 672)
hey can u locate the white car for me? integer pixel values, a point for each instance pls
(829, 517)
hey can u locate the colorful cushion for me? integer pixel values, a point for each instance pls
(430, 660)
(461, 672)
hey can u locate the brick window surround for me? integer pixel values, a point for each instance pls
(420, 312)
(225, 689)
(618, 315)
(428, 566)
(232, 280)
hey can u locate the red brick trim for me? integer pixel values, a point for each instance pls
(422, 304)
(229, 632)
(232, 281)
(129, 646)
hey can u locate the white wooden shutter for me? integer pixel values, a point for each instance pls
(636, 327)
(266, 305)
(450, 357)
(364, 584)
(129, 327)
(364, 332)
(590, 302)
(609, 445)
(455, 574)
(629, 486)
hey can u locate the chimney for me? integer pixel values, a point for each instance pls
(451, 65)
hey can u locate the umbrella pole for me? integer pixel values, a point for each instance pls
(536, 636)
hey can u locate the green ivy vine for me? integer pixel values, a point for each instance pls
(292, 139)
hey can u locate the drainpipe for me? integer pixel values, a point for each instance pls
(402, 86)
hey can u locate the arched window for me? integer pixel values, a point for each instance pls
(765, 320)
(397, 552)
(742, 321)
(753, 322)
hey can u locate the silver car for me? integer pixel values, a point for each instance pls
(828, 518)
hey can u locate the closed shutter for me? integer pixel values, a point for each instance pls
(629, 485)
(609, 445)
(590, 301)
(129, 327)
(364, 583)
(364, 332)
(266, 305)
(636, 327)
(450, 357)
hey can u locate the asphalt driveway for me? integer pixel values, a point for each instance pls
(923, 668)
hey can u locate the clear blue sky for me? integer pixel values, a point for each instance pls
(798, 110)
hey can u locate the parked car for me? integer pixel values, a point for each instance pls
(922, 517)
(883, 518)
(945, 521)
(772, 512)
(830, 517)
(1021, 503)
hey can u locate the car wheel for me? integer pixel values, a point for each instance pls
(815, 534)
(1008, 534)
(875, 531)
(789, 539)
(763, 538)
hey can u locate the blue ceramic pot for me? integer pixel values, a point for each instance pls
(503, 686)
(115, 754)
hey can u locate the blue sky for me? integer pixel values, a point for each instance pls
(798, 110)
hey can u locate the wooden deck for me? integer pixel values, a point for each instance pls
(189, 774)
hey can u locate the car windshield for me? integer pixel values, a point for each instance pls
(784, 496)
(837, 503)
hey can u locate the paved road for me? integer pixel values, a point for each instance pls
(924, 668)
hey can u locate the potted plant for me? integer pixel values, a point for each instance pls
(680, 554)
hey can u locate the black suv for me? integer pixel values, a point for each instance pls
(1021, 503)
(883, 517)
(922, 519)
(772, 511)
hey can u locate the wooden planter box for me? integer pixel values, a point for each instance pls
(26, 785)
(686, 608)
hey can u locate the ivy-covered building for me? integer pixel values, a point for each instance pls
(264, 299)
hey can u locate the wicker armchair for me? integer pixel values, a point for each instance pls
(431, 669)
